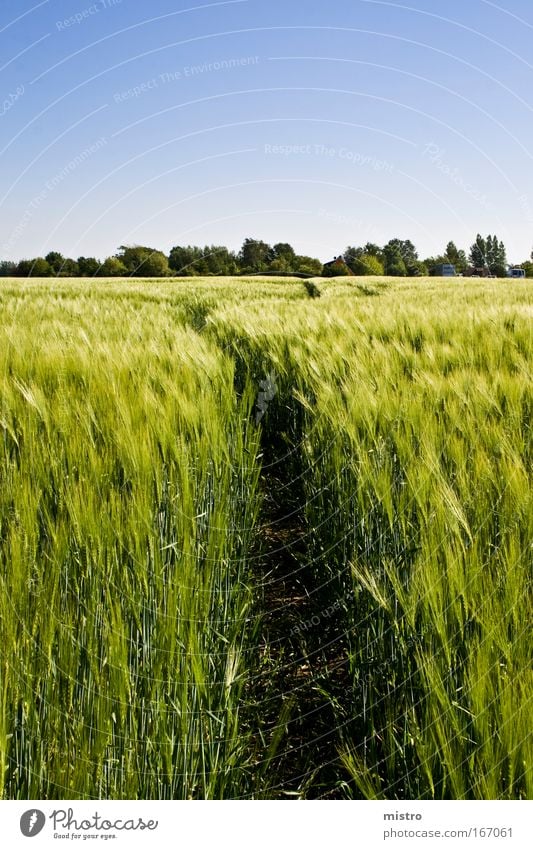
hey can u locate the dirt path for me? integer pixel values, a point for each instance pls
(301, 655)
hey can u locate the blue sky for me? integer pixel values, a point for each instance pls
(321, 124)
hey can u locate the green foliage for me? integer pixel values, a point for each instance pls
(489, 253)
(366, 265)
(192, 261)
(456, 257)
(254, 256)
(394, 264)
(8, 269)
(336, 268)
(38, 267)
(400, 258)
(88, 266)
(141, 261)
(307, 265)
(312, 289)
(112, 267)
(478, 252)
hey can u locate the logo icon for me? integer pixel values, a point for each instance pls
(32, 822)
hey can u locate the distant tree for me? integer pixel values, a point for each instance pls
(254, 256)
(400, 258)
(396, 266)
(211, 260)
(418, 268)
(456, 257)
(358, 259)
(281, 264)
(70, 268)
(88, 266)
(113, 267)
(336, 268)
(373, 250)
(393, 260)
(141, 261)
(7, 268)
(38, 267)
(307, 265)
(478, 252)
(366, 265)
(351, 257)
(186, 261)
(55, 260)
(498, 258)
(528, 268)
(218, 260)
(432, 262)
(489, 253)
(284, 251)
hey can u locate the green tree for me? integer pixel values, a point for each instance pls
(307, 265)
(69, 268)
(373, 250)
(186, 261)
(283, 251)
(456, 257)
(352, 256)
(400, 258)
(38, 267)
(499, 258)
(218, 260)
(55, 260)
(478, 252)
(366, 265)
(418, 268)
(141, 261)
(88, 266)
(254, 256)
(489, 253)
(394, 262)
(7, 268)
(336, 268)
(113, 267)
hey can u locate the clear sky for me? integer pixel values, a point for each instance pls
(319, 123)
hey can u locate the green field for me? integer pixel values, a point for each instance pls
(265, 539)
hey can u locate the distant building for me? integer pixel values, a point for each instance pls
(517, 273)
(478, 272)
(446, 269)
(336, 268)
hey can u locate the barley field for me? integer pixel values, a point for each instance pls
(266, 539)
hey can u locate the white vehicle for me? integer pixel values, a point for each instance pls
(517, 273)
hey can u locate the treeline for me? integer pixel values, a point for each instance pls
(254, 257)
(398, 258)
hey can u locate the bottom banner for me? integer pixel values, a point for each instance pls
(251, 824)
